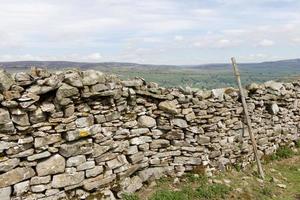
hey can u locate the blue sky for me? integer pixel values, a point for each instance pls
(150, 31)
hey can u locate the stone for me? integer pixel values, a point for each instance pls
(98, 182)
(25, 140)
(15, 176)
(76, 160)
(168, 106)
(4, 116)
(39, 188)
(99, 87)
(6, 81)
(37, 116)
(94, 172)
(38, 156)
(180, 123)
(159, 143)
(23, 78)
(146, 122)
(86, 165)
(140, 140)
(133, 83)
(5, 193)
(85, 121)
(9, 164)
(281, 186)
(44, 141)
(131, 185)
(203, 139)
(191, 116)
(21, 188)
(38, 180)
(65, 91)
(73, 78)
(53, 165)
(76, 148)
(274, 109)
(21, 120)
(154, 173)
(218, 93)
(77, 134)
(48, 107)
(92, 77)
(274, 85)
(117, 162)
(67, 179)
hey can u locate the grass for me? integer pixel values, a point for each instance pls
(130, 197)
(281, 153)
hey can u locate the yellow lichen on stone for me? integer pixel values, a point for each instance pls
(83, 133)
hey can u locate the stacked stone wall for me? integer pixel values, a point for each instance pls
(75, 132)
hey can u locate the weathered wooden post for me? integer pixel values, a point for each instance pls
(248, 120)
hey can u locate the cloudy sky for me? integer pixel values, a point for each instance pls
(150, 31)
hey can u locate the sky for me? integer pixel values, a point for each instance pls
(150, 31)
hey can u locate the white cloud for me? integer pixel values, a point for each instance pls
(134, 30)
(178, 37)
(266, 43)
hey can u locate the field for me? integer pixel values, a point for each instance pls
(207, 78)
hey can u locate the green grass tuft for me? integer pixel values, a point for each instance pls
(267, 191)
(130, 197)
(282, 153)
(212, 191)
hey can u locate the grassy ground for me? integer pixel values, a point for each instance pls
(282, 182)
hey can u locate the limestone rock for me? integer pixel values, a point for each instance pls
(146, 121)
(92, 77)
(53, 165)
(67, 179)
(21, 188)
(5, 193)
(6, 81)
(15, 176)
(76, 160)
(180, 123)
(168, 106)
(9, 164)
(4, 116)
(23, 78)
(66, 91)
(73, 78)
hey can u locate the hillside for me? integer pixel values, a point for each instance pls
(200, 76)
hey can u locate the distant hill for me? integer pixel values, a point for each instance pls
(111, 65)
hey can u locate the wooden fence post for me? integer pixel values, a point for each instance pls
(248, 120)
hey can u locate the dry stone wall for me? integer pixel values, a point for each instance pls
(75, 132)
